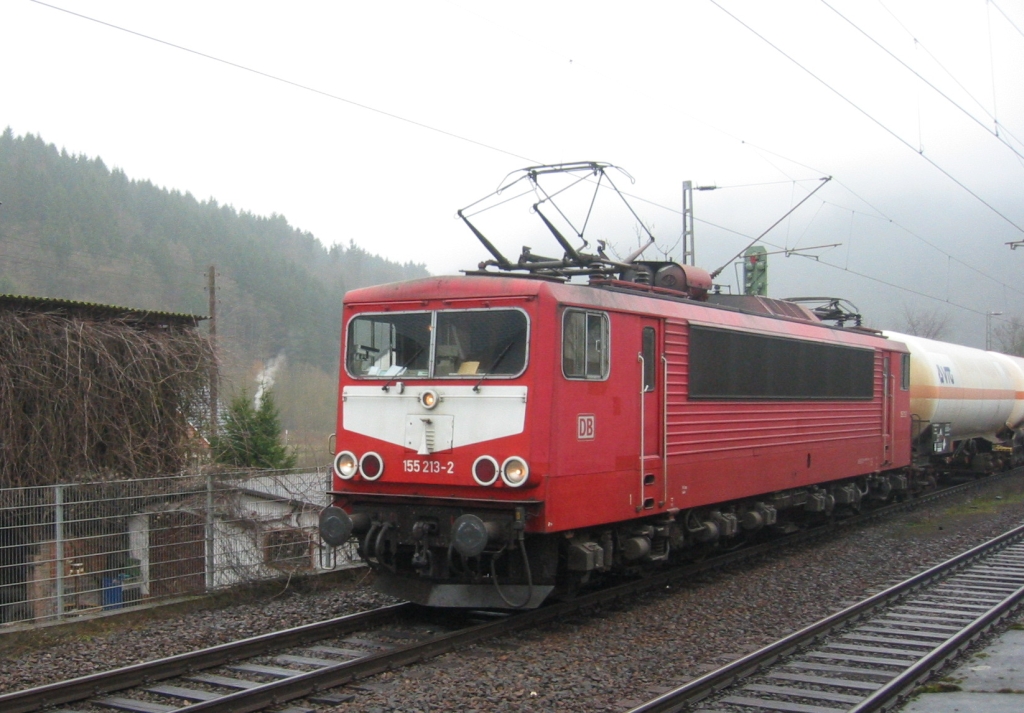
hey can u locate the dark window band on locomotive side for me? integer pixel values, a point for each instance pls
(726, 364)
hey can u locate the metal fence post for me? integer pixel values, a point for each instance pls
(58, 498)
(209, 532)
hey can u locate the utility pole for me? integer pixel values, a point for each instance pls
(688, 256)
(212, 289)
(988, 329)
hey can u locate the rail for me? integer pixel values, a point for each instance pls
(875, 652)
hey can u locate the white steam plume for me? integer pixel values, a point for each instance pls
(265, 379)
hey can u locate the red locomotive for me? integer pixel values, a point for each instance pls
(505, 436)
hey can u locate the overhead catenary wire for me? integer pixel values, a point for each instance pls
(993, 132)
(872, 118)
(289, 82)
(1001, 12)
(917, 43)
(933, 246)
(824, 180)
(893, 285)
(806, 228)
(856, 273)
(878, 215)
(992, 64)
(755, 185)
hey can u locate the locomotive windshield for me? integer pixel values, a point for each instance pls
(446, 344)
(389, 344)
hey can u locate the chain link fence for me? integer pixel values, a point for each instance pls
(66, 550)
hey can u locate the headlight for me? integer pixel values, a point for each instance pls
(515, 472)
(345, 464)
(371, 466)
(485, 470)
(428, 399)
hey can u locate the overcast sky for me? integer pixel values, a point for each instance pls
(408, 111)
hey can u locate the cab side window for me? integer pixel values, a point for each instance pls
(585, 344)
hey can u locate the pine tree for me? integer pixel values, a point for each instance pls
(251, 437)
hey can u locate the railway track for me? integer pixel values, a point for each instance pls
(869, 656)
(305, 663)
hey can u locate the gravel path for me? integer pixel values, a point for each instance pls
(608, 661)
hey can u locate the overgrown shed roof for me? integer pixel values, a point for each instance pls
(96, 310)
(94, 392)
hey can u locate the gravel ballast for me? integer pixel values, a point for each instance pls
(605, 661)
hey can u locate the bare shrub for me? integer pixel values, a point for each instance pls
(87, 398)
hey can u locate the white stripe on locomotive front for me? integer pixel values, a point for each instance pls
(476, 416)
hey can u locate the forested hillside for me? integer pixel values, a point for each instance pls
(70, 227)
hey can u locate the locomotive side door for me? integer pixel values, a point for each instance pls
(651, 392)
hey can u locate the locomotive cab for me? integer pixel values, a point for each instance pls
(438, 473)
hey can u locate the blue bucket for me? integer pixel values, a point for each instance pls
(113, 594)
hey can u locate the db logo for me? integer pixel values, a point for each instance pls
(585, 427)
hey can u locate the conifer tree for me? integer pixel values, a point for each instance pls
(251, 436)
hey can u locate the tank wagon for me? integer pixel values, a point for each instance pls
(967, 405)
(505, 437)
